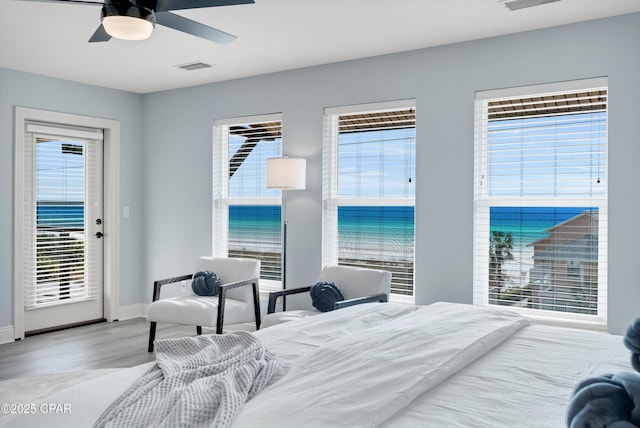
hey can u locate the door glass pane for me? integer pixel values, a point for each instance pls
(60, 221)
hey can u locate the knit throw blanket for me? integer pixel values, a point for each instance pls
(200, 381)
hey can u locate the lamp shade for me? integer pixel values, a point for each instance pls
(286, 173)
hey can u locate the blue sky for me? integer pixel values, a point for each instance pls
(374, 164)
(563, 156)
(60, 176)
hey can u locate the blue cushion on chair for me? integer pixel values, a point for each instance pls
(205, 283)
(324, 295)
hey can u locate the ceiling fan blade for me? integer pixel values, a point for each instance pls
(194, 28)
(100, 35)
(99, 3)
(166, 5)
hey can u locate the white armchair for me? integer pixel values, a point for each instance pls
(358, 285)
(237, 302)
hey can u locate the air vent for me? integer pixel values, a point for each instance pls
(194, 66)
(523, 4)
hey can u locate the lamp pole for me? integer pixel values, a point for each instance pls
(284, 247)
(285, 174)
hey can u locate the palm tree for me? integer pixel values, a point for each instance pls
(500, 246)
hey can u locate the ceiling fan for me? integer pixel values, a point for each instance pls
(136, 19)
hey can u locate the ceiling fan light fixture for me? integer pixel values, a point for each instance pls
(128, 23)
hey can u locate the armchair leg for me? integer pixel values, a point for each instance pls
(221, 301)
(256, 305)
(152, 336)
(199, 330)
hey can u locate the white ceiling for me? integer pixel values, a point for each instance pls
(273, 35)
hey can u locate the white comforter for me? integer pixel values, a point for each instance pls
(525, 381)
(363, 378)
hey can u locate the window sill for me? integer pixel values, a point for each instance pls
(561, 319)
(402, 298)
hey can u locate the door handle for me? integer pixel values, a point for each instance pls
(99, 234)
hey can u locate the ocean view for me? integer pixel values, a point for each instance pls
(381, 237)
(371, 232)
(380, 233)
(60, 214)
(372, 236)
(385, 232)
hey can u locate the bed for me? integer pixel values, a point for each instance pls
(395, 365)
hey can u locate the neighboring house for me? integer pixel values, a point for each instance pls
(564, 276)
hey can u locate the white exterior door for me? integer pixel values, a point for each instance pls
(63, 226)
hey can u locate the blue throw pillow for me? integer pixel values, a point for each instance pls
(605, 401)
(324, 295)
(632, 342)
(205, 283)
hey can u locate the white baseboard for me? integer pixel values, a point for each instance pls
(6, 334)
(128, 312)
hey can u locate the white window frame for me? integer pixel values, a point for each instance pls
(221, 199)
(331, 200)
(483, 202)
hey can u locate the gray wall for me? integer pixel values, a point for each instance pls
(167, 179)
(37, 92)
(443, 80)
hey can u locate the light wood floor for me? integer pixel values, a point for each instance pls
(97, 346)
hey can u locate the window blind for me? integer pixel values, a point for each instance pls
(369, 189)
(541, 201)
(247, 214)
(62, 177)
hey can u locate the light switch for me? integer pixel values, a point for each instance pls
(125, 212)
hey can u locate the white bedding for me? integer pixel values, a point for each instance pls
(361, 380)
(524, 380)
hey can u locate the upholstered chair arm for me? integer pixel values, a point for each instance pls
(273, 296)
(237, 284)
(159, 283)
(382, 297)
(222, 295)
